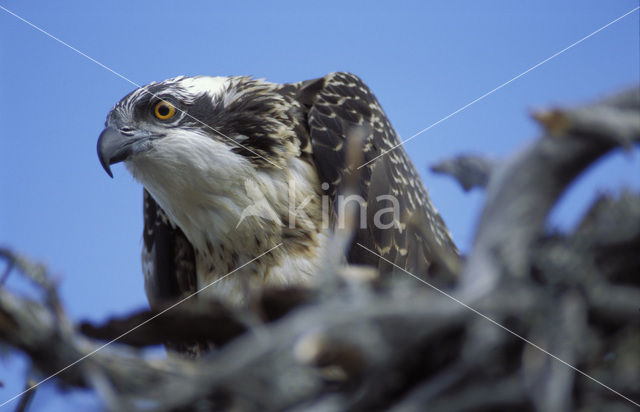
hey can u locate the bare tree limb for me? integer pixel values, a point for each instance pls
(523, 188)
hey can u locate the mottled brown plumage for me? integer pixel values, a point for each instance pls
(233, 148)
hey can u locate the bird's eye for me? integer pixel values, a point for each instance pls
(164, 110)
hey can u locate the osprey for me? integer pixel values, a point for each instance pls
(233, 167)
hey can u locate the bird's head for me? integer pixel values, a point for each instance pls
(232, 120)
(195, 143)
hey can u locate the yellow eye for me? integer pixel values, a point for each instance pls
(164, 110)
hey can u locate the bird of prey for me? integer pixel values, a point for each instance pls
(233, 167)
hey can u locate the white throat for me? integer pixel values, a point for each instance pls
(231, 211)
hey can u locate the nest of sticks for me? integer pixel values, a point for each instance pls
(534, 320)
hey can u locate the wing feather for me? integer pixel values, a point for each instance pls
(169, 267)
(336, 105)
(168, 258)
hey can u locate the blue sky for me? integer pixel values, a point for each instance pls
(423, 61)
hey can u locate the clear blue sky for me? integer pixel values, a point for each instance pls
(422, 60)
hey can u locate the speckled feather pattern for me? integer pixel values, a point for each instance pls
(237, 130)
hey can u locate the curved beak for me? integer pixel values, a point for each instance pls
(113, 147)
